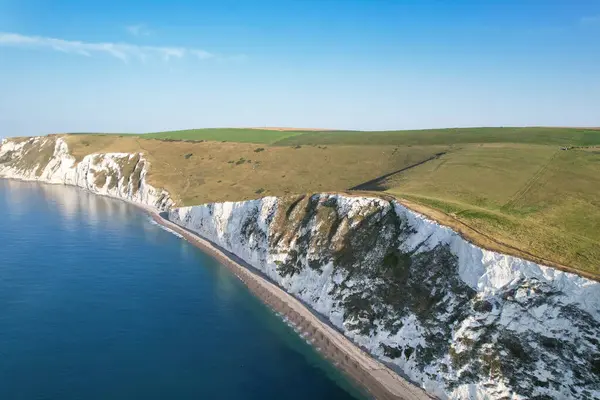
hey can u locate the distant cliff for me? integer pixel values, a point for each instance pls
(463, 322)
(47, 159)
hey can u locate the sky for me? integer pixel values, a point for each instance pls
(141, 66)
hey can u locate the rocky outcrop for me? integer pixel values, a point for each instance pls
(462, 322)
(47, 159)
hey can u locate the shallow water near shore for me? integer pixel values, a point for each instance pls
(97, 302)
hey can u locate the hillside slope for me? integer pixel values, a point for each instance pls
(540, 199)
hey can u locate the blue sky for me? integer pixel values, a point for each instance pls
(138, 66)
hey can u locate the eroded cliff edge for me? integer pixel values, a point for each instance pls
(460, 321)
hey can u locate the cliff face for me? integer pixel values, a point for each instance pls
(461, 321)
(47, 159)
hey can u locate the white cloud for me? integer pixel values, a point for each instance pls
(122, 51)
(138, 30)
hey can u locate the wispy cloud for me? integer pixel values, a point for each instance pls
(122, 51)
(138, 30)
(590, 20)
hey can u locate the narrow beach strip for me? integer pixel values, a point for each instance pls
(379, 381)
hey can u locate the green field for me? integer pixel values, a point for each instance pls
(554, 136)
(550, 136)
(516, 189)
(239, 135)
(449, 136)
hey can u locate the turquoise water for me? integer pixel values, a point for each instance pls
(97, 302)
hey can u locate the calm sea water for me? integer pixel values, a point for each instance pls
(97, 302)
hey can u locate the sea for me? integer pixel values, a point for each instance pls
(99, 302)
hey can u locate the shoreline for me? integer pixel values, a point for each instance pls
(375, 378)
(370, 374)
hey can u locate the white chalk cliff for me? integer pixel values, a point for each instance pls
(47, 159)
(460, 321)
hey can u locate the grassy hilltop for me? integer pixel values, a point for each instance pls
(533, 192)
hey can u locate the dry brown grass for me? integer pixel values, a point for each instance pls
(202, 172)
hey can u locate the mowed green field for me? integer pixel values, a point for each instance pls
(515, 186)
(458, 136)
(553, 136)
(449, 136)
(239, 135)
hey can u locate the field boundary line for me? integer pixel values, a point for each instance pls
(519, 194)
(367, 184)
